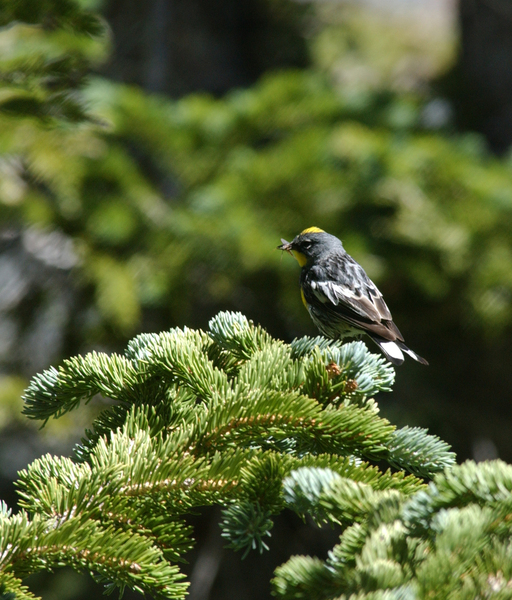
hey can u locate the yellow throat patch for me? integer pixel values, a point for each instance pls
(299, 257)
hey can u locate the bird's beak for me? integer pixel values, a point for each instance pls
(287, 246)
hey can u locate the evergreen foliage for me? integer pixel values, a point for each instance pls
(49, 47)
(230, 417)
(451, 540)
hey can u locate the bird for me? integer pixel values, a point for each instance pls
(340, 297)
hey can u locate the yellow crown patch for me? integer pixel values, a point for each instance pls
(312, 230)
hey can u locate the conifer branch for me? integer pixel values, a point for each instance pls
(228, 417)
(450, 540)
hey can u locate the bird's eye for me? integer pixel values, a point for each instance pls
(307, 245)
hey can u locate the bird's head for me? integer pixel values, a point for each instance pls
(310, 244)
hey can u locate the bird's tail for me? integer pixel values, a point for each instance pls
(393, 351)
(413, 354)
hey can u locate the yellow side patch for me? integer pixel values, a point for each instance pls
(299, 257)
(303, 298)
(312, 230)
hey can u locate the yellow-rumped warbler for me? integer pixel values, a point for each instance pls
(340, 297)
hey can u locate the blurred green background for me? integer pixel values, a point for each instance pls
(152, 155)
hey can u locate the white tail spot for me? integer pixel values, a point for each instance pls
(392, 349)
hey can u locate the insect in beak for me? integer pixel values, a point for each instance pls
(286, 246)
